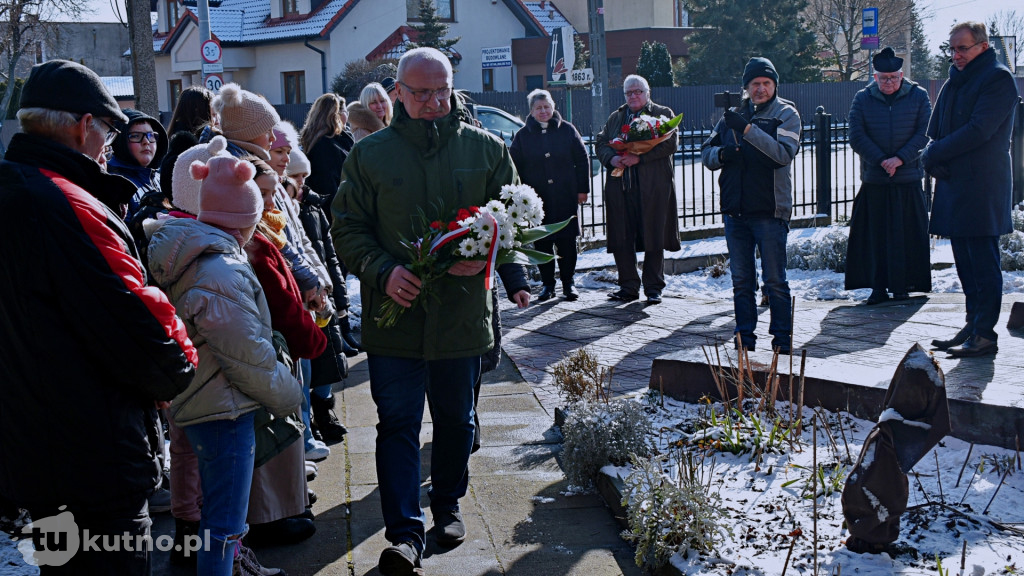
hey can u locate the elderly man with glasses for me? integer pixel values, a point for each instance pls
(87, 350)
(969, 156)
(427, 160)
(641, 204)
(888, 250)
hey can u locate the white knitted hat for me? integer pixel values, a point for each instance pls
(298, 164)
(185, 188)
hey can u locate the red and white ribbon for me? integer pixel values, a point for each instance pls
(492, 253)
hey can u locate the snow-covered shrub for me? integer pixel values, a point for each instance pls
(579, 377)
(1011, 249)
(597, 434)
(665, 517)
(1017, 219)
(827, 253)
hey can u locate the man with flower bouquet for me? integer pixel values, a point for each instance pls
(754, 145)
(416, 199)
(640, 195)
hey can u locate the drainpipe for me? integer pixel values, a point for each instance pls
(323, 63)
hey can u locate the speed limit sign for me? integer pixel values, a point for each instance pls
(214, 82)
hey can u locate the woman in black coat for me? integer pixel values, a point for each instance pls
(550, 156)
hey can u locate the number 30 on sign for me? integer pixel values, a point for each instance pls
(214, 82)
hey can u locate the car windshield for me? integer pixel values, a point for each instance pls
(493, 121)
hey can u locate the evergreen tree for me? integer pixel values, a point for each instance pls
(741, 29)
(431, 32)
(922, 64)
(655, 64)
(582, 53)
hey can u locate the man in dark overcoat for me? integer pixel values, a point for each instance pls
(640, 206)
(969, 156)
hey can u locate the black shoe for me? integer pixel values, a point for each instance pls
(330, 428)
(546, 294)
(307, 514)
(957, 340)
(877, 296)
(179, 555)
(312, 497)
(402, 559)
(449, 529)
(570, 293)
(623, 296)
(900, 295)
(654, 297)
(280, 532)
(975, 346)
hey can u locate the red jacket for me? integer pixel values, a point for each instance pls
(287, 315)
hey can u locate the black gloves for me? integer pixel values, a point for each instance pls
(730, 154)
(736, 121)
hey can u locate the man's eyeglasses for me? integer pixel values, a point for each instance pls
(635, 92)
(427, 94)
(112, 132)
(889, 79)
(962, 49)
(138, 137)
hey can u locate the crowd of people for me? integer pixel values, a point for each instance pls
(194, 278)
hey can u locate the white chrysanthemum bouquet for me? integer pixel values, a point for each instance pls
(497, 233)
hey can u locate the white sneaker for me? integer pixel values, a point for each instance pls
(317, 451)
(311, 470)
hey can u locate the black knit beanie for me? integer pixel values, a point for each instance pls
(760, 67)
(71, 87)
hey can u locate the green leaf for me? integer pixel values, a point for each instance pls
(524, 256)
(671, 124)
(534, 234)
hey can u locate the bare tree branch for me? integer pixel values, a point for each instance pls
(838, 24)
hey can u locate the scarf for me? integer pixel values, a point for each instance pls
(272, 226)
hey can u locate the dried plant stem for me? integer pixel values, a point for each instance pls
(938, 476)
(1001, 482)
(917, 477)
(1018, 452)
(966, 460)
(963, 557)
(800, 402)
(969, 484)
(814, 488)
(842, 431)
(785, 565)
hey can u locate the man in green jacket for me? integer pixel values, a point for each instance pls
(428, 160)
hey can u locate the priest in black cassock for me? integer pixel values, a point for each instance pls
(888, 249)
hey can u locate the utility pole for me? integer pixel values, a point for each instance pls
(599, 62)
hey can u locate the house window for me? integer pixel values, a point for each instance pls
(534, 82)
(291, 7)
(488, 79)
(445, 9)
(174, 88)
(173, 12)
(294, 87)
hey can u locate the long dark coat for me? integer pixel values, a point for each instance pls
(970, 150)
(656, 189)
(554, 162)
(889, 228)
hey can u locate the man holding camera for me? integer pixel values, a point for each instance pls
(753, 144)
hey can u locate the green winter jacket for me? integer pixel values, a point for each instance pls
(418, 165)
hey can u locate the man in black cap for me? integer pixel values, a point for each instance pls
(754, 144)
(969, 156)
(888, 250)
(389, 87)
(87, 350)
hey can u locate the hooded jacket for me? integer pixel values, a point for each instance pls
(444, 163)
(363, 121)
(124, 164)
(85, 346)
(880, 130)
(206, 274)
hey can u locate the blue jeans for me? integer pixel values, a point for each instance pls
(398, 386)
(306, 369)
(742, 235)
(977, 266)
(226, 450)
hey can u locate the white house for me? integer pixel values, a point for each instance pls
(290, 50)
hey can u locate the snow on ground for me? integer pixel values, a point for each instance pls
(764, 512)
